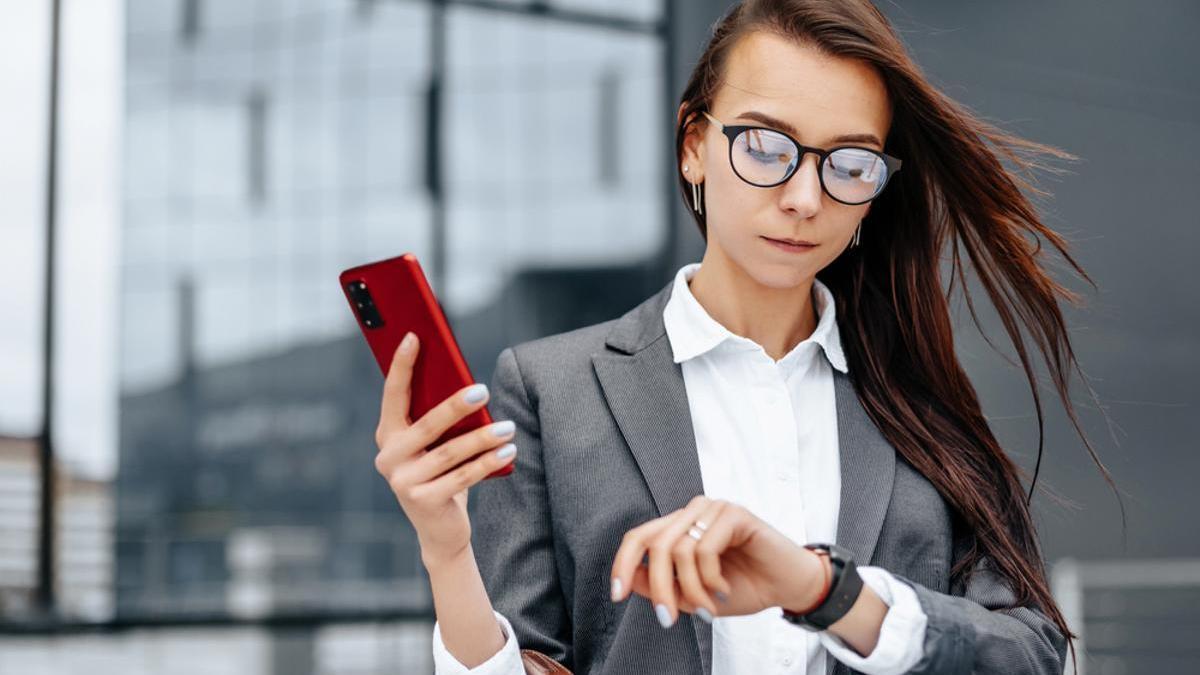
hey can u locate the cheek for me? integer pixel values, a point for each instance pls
(732, 223)
(732, 206)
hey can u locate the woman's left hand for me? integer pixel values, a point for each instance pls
(739, 565)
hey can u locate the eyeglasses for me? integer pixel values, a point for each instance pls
(765, 158)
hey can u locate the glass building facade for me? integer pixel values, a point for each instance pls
(518, 149)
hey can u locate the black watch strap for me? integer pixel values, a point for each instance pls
(844, 589)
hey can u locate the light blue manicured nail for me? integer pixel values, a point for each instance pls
(506, 451)
(616, 589)
(504, 428)
(704, 614)
(476, 393)
(664, 615)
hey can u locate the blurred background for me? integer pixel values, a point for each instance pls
(182, 181)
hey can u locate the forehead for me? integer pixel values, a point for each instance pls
(821, 96)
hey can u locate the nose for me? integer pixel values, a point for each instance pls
(802, 191)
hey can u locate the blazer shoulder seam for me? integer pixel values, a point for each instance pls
(524, 386)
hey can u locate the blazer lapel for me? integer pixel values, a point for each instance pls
(868, 469)
(645, 392)
(646, 395)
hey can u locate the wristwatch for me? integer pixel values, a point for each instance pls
(841, 591)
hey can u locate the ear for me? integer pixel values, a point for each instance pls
(692, 153)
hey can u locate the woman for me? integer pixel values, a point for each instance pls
(675, 466)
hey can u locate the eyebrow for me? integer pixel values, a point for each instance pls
(780, 124)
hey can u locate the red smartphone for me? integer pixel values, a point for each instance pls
(391, 297)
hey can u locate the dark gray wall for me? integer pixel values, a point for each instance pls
(1116, 84)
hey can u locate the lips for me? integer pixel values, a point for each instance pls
(793, 242)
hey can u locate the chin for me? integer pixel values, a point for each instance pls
(772, 274)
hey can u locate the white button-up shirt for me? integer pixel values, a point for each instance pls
(766, 435)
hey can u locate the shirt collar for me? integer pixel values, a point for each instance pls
(692, 331)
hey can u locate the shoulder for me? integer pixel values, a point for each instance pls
(568, 353)
(548, 368)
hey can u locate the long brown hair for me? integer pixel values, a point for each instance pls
(892, 311)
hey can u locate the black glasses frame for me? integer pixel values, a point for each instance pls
(732, 131)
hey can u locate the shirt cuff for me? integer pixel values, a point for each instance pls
(507, 661)
(901, 637)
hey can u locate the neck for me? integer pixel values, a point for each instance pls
(776, 318)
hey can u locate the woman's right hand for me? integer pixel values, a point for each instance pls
(431, 483)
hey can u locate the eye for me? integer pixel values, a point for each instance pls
(854, 164)
(766, 156)
(766, 146)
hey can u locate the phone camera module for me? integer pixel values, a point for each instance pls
(361, 297)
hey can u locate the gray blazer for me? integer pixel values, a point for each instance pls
(605, 443)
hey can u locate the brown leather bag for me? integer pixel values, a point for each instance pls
(537, 663)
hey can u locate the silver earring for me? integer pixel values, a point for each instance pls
(857, 233)
(696, 198)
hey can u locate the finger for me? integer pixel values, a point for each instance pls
(662, 564)
(714, 542)
(430, 427)
(397, 388)
(687, 574)
(452, 453)
(641, 586)
(633, 552)
(708, 556)
(470, 473)
(632, 555)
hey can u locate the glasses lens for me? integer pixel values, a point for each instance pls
(763, 157)
(854, 175)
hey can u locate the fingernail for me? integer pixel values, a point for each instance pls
(476, 393)
(616, 589)
(721, 596)
(664, 615)
(504, 428)
(704, 614)
(506, 451)
(407, 343)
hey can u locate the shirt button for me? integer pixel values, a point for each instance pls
(786, 661)
(781, 476)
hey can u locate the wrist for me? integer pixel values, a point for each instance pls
(808, 582)
(844, 587)
(436, 561)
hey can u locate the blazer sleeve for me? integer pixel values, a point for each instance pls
(511, 527)
(984, 631)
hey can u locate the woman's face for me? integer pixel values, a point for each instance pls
(821, 98)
